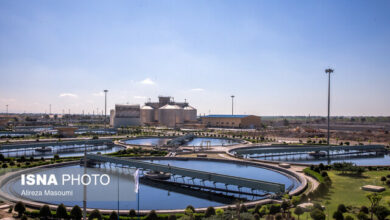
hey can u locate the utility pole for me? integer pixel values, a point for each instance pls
(329, 71)
(232, 103)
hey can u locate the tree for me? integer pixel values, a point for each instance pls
(191, 207)
(285, 205)
(209, 212)
(263, 211)
(45, 212)
(132, 213)
(243, 208)
(152, 215)
(113, 216)
(95, 214)
(76, 213)
(298, 211)
(348, 217)
(381, 212)
(172, 217)
(274, 208)
(20, 208)
(374, 199)
(362, 216)
(341, 208)
(317, 214)
(338, 215)
(61, 212)
(383, 179)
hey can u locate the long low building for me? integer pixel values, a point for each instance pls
(232, 121)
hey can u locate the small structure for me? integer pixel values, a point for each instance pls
(232, 121)
(284, 165)
(66, 131)
(373, 188)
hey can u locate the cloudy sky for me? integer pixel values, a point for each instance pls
(270, 54)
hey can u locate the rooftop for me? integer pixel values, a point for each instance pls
(225, 116)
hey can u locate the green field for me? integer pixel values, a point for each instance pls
(346, 190)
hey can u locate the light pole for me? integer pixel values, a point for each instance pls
(105, 110)
(232, 102)
(329, 71)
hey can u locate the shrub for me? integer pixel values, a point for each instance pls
(209, 212)
(20, 208)
(76, 213)
(56, 157)
(362, 216)
(243, 209)
(298, 211)
(61, 211)
(24, 217)
(152, 215)
(45, 212)
(113, 216)
(172, 217)
(274, 208)
(348, 217)
(263, 211)
(317, 214)
(364, 209)
(257, 208)
(337, 215)
(256, 216)
(381, 212)
(324, 173)
(95, 214)
(278, 217)
(341, 208)
(191, 207)
(132, 213)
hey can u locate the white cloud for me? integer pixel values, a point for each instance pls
(139, 97)
(71, 95)
(197, 90)
(98, 94)
(147, 81)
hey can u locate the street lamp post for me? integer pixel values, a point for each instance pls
(105, 110)
(232, 102)
(329, 71)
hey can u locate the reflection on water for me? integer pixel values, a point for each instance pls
(62, 150)
(147, 141)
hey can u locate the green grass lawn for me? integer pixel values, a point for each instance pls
(346, 190)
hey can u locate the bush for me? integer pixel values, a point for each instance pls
(152, 215)
(76, 213)
(56, 157)
(278, 217)
(113, 216)
(341, 208)
(364, 209)
(348, 217)
(274, 208)
(337, 215)
(263, 211)
(45, 212)
(24, 217)
(191, 208)
(20, 208)
(243, 208)
(362, 216)
(95, 214)
(317, 214)
(132, 213)
(381, 212)
(172, 217)
(298, 211)
(209, 212)
(61, 211)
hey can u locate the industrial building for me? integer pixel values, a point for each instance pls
(231, 121)
(125, 115)
(165, 112)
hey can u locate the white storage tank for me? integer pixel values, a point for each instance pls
(147, 114)
(170, 115)
(189, 114)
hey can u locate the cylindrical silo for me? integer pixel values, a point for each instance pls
(189, 114)
(147, 114)
(170, 115)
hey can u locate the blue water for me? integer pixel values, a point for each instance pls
(213, 142)
(147, 141)
(366, 159)
(62, 150)
(156, 198)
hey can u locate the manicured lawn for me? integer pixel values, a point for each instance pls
(346, 190)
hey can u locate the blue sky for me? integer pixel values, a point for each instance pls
(270, 54)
